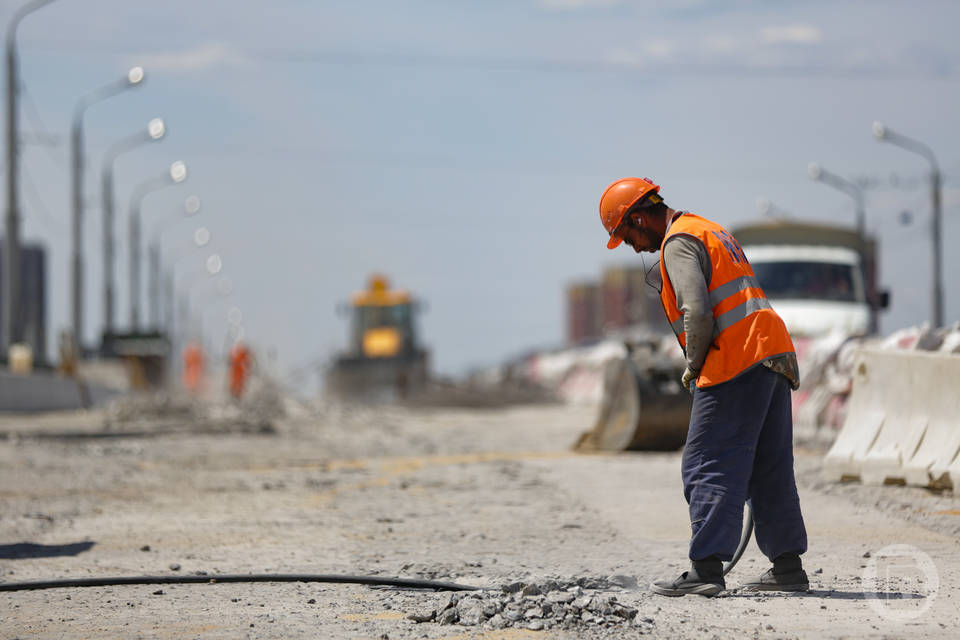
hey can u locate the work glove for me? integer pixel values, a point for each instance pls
(689, 380)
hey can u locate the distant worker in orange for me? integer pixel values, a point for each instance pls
(193, 365)
(240, 364)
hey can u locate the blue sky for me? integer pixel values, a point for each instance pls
(461, 147)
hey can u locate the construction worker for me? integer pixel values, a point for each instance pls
(240, 363)
(193, 365)
(740, 368)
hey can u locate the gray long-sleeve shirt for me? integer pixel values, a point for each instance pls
(689, 269)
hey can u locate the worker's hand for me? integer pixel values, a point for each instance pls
(689, 379)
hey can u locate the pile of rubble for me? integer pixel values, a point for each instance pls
(153, 406)
(587, 602)
(180, 412)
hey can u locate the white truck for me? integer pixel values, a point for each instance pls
(819, 278)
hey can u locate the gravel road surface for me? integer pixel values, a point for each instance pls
(563, 544)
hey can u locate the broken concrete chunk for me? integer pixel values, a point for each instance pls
(448, 616)
(422, 616)
(513, 587)
(512, 613)
(624, 581)
(470, 612)
(599, 604)
(560, 597)
(624, 611)
(497, 622)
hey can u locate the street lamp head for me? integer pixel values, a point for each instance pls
(237, 333)
(234, 316)
(178, 171)
(201, 237)
(156, 129)
(814, 171)
(191, 205)
(214, 264)
(764, 206)
(879, 130)
(135, 75)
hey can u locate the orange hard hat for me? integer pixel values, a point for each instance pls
(618, 198)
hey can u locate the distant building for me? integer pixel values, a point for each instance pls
(584, 311)
(33, 300)
(622, 299)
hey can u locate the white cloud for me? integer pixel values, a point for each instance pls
(202, 58)
(791, 34)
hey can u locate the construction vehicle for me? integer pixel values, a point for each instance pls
(384, 358)
(644, 407)
(819, 278)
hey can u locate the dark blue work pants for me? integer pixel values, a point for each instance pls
(740, 447)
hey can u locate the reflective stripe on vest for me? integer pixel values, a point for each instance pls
(746, 329)
(729, 318)
(732, 316)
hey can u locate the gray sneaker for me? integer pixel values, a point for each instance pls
(689, 582)
(770, 581)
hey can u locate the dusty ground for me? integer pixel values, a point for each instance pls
(483, 497)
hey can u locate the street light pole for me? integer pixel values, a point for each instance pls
(191, 206)
(177, 174)
(155, 131)
(212, 265)
(201, 238)
(768, 208)
(852, 189)
(884, 134)
(855, 191)
(133, 78)
(10, 298)
(222, 289)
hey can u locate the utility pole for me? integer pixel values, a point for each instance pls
(10, 290)
(133, 78)
(176, 175)
(155, 131)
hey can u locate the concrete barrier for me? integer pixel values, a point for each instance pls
(42, 391)
(903, 421)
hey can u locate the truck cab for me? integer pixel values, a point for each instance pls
(814, 289)
(819, 278)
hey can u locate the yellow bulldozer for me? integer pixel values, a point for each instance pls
(384, 358)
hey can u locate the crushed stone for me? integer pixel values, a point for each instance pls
(552, 604)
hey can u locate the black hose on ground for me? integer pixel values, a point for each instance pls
(70, 583)
(744, 539)
(248, 577)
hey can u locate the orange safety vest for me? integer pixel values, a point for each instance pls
(192, 367)
(239, 369)
(746, 330)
